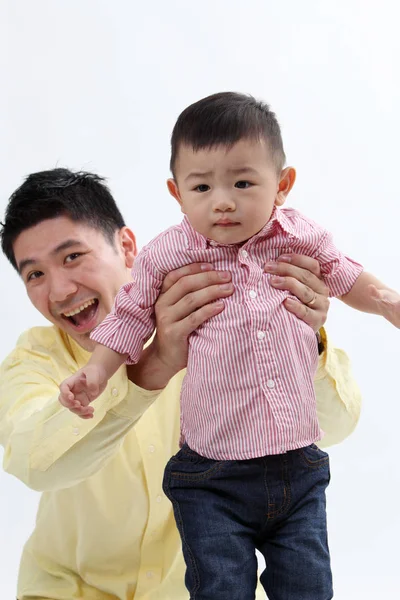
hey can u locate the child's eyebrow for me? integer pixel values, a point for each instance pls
(194, 174)
(241, 170)
(236, 171)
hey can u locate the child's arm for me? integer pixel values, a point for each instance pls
(79, 390)
(370, 295)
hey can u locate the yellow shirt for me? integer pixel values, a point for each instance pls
(104, 530)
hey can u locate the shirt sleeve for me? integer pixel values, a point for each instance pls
(45, 445)
(131, 322)
(338, 395)
(339, 271)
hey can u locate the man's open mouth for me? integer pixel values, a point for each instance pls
(82, 315)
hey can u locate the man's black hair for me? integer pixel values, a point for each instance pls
(83, 197)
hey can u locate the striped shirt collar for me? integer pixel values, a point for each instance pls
(278, 220)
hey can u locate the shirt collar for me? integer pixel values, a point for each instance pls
(278, 220)
(194, 238)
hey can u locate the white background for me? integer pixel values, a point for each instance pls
(97, 85)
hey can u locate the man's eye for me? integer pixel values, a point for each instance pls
(34, 275)
(242, 185)
(72, 256)
(202, 188)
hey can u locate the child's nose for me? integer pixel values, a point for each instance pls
(224, 202)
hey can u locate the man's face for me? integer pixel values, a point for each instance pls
(72, 272)
(228, 194)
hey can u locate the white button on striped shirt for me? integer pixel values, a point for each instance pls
(240, 398)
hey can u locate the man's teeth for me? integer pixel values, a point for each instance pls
(80, 308)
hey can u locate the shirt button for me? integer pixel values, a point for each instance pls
(213, 243)
(114, 392)
(152, 448)
(244, 253)
(253, 294)
(270, 383)
(75, 431)
(260, 335)
(158, 499)
(149, 574)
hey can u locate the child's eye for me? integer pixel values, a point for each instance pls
(202, 188)
(242, 185)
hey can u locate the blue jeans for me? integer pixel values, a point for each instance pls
(225, 510)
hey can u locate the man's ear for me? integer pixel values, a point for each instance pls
(174, 191)
(127, 244)
(286, 182)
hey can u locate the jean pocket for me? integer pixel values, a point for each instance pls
(189, 465)
(314, 457)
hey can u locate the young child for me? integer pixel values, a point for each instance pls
(248, 474)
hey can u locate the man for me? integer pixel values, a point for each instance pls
(104, 529)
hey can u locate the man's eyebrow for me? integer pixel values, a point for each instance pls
(63, 246)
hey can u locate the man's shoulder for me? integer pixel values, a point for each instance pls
(46, 344)
(44, 337)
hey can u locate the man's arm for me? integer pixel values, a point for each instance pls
(338, 395)
(48, 447)
(45, 445)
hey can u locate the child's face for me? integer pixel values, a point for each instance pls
(228, 195)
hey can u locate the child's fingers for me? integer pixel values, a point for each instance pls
(82, 411)
(92, 385)
(86, 412)
(66, 397)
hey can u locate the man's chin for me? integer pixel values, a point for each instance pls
(84, 341)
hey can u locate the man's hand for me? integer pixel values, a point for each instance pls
(189, 296)
(388, 304)
(79, 390)
(301, 276)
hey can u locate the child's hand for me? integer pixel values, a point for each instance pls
(79, 390)
(388, 302)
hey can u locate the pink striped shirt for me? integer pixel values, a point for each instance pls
(248, 390)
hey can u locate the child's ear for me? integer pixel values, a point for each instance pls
(174, 191)
(286, 182)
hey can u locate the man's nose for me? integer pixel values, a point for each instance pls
(223, 203)
(61, 287)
